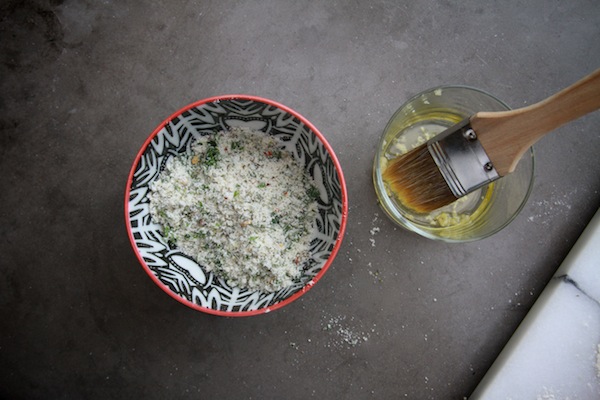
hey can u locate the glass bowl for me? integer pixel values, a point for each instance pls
(473, 217)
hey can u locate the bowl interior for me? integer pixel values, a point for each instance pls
(181, 276)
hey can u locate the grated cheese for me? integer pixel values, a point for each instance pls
(240, 206)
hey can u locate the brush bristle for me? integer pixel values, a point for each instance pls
(417, 181)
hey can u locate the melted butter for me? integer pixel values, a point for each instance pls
(448, 220)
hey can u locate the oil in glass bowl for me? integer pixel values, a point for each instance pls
(460, 213)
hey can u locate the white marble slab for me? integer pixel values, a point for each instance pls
(554, 354)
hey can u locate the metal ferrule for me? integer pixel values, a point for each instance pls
(462, 159)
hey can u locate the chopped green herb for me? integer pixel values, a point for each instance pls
(212, 155)
(313, 193)
(275, 218)
(237, 146)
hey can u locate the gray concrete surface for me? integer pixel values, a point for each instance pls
(83, 83)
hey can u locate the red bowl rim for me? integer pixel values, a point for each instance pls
(338, 241)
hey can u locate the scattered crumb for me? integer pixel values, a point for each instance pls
(547, 395)
(374, 230)
(375, 274)
(547, 209)
(343, 334)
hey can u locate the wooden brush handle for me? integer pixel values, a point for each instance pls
(506, 135)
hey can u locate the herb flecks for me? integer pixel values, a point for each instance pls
(213, 155)
(237, 146)
(313, 193)
(275, 218)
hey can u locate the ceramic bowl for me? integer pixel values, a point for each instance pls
(183, 277)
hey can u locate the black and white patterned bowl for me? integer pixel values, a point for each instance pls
(178, 274)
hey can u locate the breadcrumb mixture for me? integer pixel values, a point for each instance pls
(241, 206)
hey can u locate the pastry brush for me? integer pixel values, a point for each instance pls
(483, 148)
